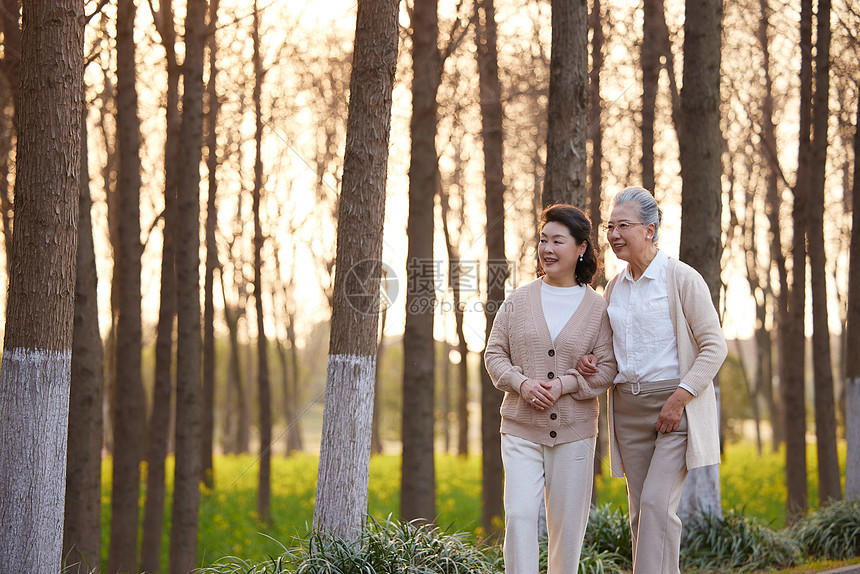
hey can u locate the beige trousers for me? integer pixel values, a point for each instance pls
(655, 468)
(563, 474)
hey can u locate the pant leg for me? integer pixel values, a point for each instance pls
(655, 468)
(524, 488)
(569, 480)
(659, 524)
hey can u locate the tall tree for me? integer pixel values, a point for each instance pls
(774, 206)
(264, 488)
(129, 404)
(650, 52)
(852, 366)
(37, 353)
(701, 190)
(497, 268)
(794, 338)
(595, 111)
(211, 251)
(341, 494)
(418, 479)
(829, 487)
(565, 179)
(186, 498)
(162, 393)
(82, 524)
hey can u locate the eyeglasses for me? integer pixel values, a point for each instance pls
(622, 227)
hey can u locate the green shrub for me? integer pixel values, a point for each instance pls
(384, 547)
(735, 542)
(832, 532)
(608, 535)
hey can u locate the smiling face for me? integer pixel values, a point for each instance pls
(558, 253)
(634, 243)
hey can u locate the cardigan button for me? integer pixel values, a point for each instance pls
(551, 375)
(552, 434)
(551, 353)
(553, 416)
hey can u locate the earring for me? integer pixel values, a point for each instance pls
(580, 257)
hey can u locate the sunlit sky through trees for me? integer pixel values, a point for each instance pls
(306, 47)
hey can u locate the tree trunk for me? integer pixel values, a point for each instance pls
(651, 50)
(774, 203)
(264, 488)
(794, 337)
(162, 395)
(595, 111)
(375, 427)
(829, 487)
(208, 413)
(341, 494)
(852, 360)
(567, 112)
(454, 270)
(701, 192)
(418, 481)
(82, 525)
(497, 269)
(37, 355)
(183, 537)
(294, 431)
(129, 403)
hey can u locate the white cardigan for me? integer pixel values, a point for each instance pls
(701, 352)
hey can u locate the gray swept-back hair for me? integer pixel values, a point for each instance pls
(649, 211)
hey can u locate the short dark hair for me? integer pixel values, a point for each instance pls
(579, 225)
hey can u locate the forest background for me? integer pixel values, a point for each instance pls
(273, 120)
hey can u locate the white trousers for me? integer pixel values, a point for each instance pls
(564, 475)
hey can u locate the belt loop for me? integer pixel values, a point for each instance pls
(638, 388)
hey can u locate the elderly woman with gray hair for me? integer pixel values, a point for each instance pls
(669, 345)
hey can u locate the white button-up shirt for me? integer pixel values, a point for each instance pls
(642, 332)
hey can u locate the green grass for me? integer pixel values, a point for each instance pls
(752, 486)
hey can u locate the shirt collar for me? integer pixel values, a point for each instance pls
(654, 269)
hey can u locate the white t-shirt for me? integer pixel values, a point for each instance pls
(559, 304)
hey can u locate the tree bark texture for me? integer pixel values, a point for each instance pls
(183, 537)
(564, 178)
(264, 487)
(492, 131)
(595, 110)
(774, 203)
(341, 494)
(829, 486)
(794, 337)
(128, 402)
(652, 39)
(701, 191)
(82, 524)
(211, 255)
(162, 394)
(852, 360)
(418, 481)
(36, 369)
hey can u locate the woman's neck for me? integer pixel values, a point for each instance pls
(638, 267)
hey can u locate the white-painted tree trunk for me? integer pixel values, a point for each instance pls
(341, 494)
(34, 415)
(852, 435)
(701, 494)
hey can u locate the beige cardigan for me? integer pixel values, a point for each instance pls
(701, 352)
(520, 347)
